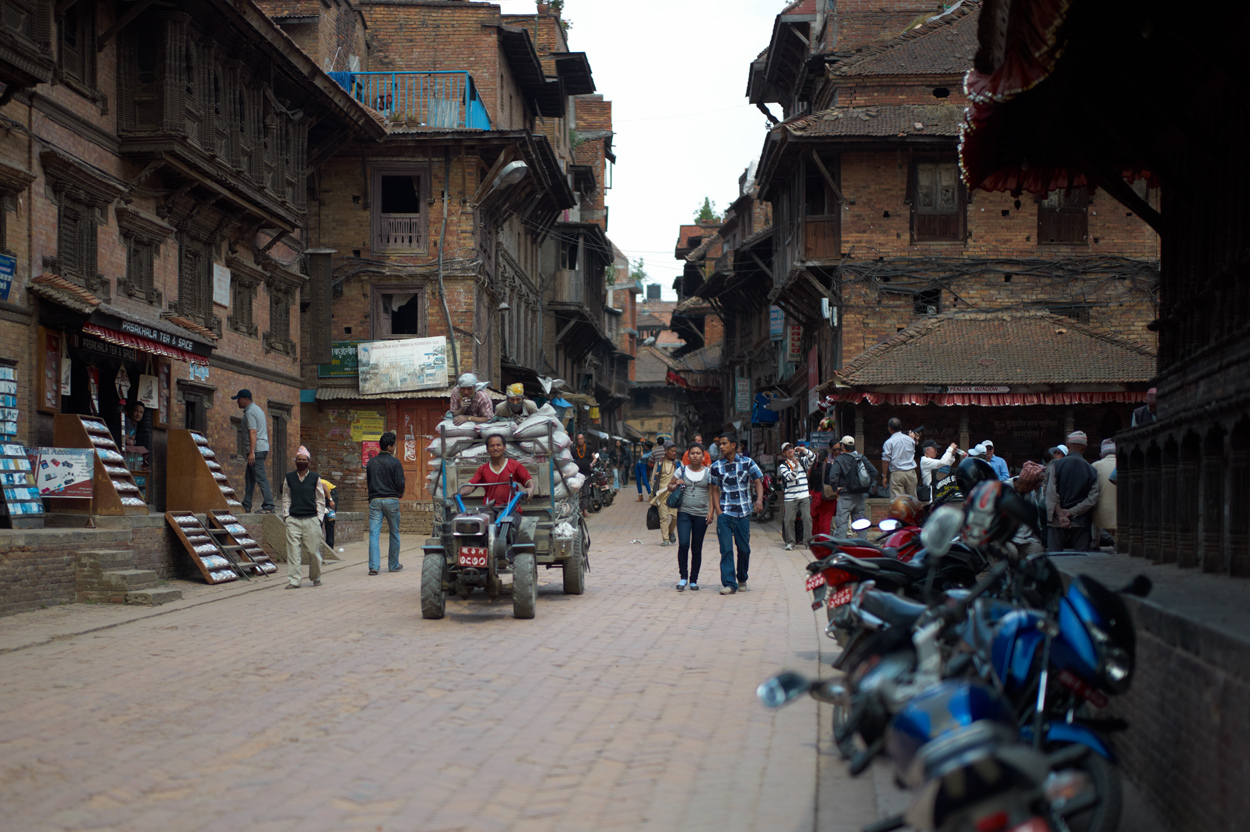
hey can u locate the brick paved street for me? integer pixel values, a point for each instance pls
(630, 707)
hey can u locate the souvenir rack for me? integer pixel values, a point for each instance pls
(229, 532)
(194, 479)
(113, 489)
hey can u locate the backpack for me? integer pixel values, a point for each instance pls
(861, 476)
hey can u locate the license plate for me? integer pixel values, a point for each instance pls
(842, 596)
(815, 580)
(1077, 685)
(474, 556)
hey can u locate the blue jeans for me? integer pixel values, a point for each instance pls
(690, 531)
(388, 508)
(728, 530)
(616, 478)
(640, 477)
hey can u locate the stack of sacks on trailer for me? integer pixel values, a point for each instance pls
(465, 445)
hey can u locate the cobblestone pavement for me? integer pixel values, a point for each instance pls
(251, 707)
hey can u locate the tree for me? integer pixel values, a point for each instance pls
(706, 212)
(638, 272)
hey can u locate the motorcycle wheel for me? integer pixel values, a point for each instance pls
(846, 748)
(595, 503)
(1104, 814)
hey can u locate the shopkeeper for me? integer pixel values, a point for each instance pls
(138, 444)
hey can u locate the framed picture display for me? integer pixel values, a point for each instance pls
(48, 371)
(164, 385)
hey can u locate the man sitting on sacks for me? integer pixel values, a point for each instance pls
(499, 469)
(470, 402)
(517, 408)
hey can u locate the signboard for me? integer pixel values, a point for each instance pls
(342, 360)
(368, 427)
(821, 439)
(368, 450)
(221, 285)
(776, 323)
(742, 395)
(794, 343)
(813, 380)
(320, 297)
(402, 365)
(8, 265)
(975, 388)
(65, 472)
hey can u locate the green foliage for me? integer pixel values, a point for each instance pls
(576, 139)
(706, 212)
(638, 271)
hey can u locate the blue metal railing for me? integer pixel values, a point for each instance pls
(431, 100)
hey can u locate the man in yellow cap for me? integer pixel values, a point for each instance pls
(516, 407)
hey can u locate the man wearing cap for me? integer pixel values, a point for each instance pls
(996, 462)
(796, 500)
(1071, 494)
(898, 461)
(1104, 512)
(516, 408)
(852, 494)
(470, 402)
(304, 501)
(257, 451)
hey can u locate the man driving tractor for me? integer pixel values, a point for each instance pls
(501, 472)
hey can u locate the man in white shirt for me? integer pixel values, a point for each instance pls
(898, 461)
(797, 500)
(931, 462)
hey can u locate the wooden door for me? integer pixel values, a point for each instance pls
(414, 426)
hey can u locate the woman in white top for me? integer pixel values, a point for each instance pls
(691, 516)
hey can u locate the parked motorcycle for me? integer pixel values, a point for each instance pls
(771, 498)
(600, 485)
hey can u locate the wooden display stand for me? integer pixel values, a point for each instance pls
(233, 534)
(114, 490)
(214, 565)
(194, 480)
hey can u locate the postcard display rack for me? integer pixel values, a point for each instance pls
(113, 489)
(217, 566)
(231, 534)
(20, 506)
(195, 480)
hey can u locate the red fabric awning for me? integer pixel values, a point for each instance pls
(123, 339)
(673, 378)
(988, 400)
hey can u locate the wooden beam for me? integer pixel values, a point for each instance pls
(819, 287)
(837, 192)
(122, 22)
(760, 263)
(62, 6)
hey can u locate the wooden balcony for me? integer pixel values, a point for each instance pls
(822, 238)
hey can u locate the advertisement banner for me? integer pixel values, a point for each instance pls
(8, 264)
(794, 343)
(813, 380)
(742, 395)
(820, 439)
(776, 323)
(368, 450)
(64, 472)
(402, 365)
(342, 360)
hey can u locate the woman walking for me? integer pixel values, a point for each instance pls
(642, 473)
(691, 516)
(824, 504)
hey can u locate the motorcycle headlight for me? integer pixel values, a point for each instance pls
(1117, 663)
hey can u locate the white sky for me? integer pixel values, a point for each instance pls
(676, 73)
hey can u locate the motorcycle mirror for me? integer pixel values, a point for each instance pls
(785, 687)
(939, 532)
(889, 524)
(829, 692)
(861, 524)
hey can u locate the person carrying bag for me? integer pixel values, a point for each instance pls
(689, 495)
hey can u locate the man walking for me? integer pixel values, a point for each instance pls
(304, 501)
(729, 504)
(640, 471)
(1105, 511)
(996, 462)
(1071, 494)
(850, 470)
(257, 452)
(663, 475)
(385, 476)
(796, 501)
(584, 459)
(898, 461)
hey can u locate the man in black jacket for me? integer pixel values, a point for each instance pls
(1071, 494)
(385, 475)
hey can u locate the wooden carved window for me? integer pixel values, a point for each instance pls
(242, 319)
(195, 281)
(822, 222)
(398, 311)
(140, 271)
(278, 338)
(1063, 217)
(76, 241)
(938, 206)
(76, 43)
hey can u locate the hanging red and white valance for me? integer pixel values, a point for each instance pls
(125, 339)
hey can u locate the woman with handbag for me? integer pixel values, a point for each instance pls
(824, 497)
(689, 486)
(665, 468)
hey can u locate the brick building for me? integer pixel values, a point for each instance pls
(154, 166)
(872, 229)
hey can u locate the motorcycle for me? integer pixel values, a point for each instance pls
(769, 509)
(601, 493)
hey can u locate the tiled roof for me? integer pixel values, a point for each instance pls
(942, 46)
(651, 367)
(1000, 348)
(886, 120)
(68, 294)
(704, 248)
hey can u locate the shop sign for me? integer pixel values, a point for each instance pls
(198, 372)
(776, 323)
(794, 344)
(342, 360)
(977, 388)
(813, 380)
(8, 266)
(92, 344)
(820, 439)
(402, 365)
(159, 336)
(742, 397)
(64, 472)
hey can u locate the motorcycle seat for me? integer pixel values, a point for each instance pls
(892, 609)
(911, 571)
(853, 541)
(858, 567)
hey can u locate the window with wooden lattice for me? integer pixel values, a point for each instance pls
(938, 207)
(278, 338)
(76, 241)
(242, 318)
(140, 270)
(76, 48)
(195, 282)
(1063, 217)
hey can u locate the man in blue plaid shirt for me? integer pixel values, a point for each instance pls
(729, 504)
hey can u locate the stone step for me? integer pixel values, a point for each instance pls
(130, 579)
(109, 558)
(153, 597)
